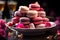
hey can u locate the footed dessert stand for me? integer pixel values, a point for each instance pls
(24, 32)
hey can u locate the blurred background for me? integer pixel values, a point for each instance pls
(50, 6)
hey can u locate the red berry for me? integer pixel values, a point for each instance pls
(10, 24)
(48, 24)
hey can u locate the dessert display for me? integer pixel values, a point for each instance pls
(33, 14)
(32, 20)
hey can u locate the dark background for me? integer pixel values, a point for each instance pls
(50, 5)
